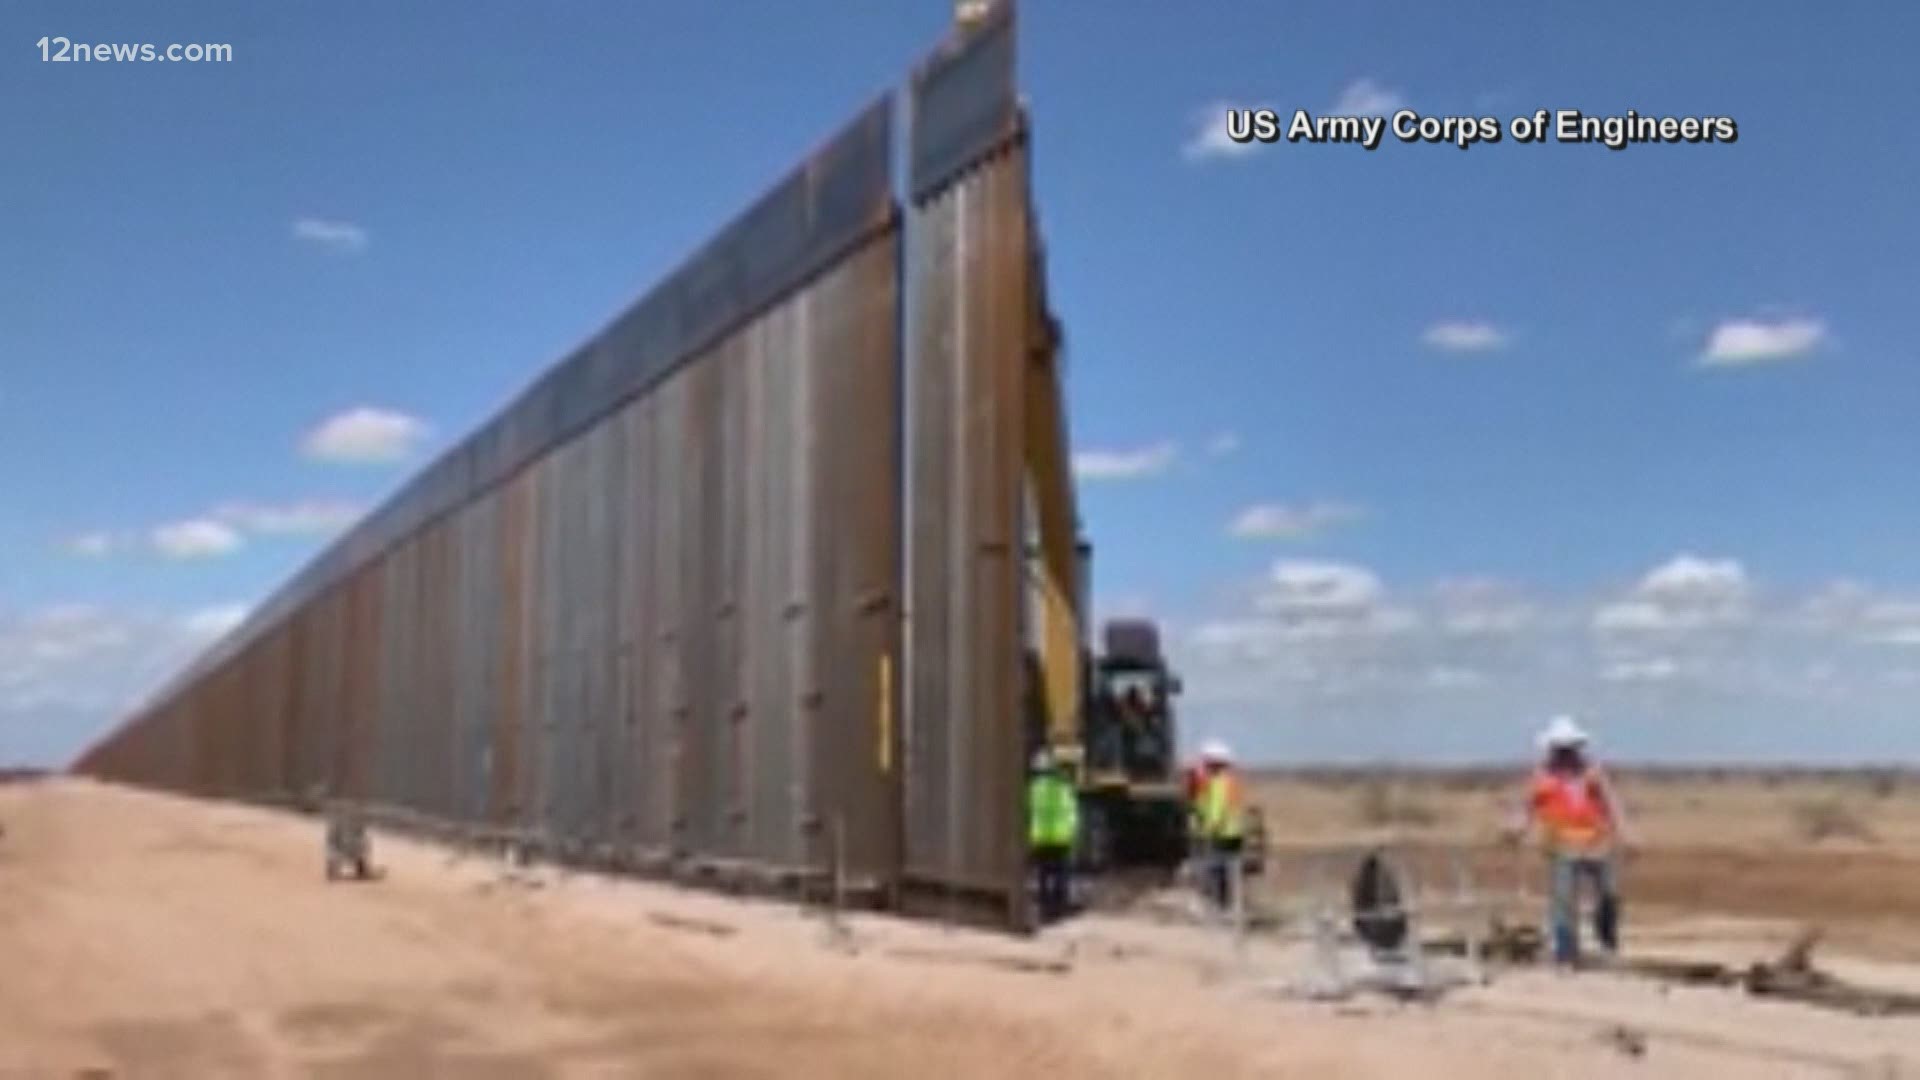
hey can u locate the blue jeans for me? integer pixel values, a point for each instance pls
(1565, 873)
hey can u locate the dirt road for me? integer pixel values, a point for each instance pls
(145, 935)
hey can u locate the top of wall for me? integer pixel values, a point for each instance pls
(835, 199)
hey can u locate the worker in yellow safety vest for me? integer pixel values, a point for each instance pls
(1219, 820)
(1053, 824)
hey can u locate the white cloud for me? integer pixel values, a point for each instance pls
(68, 672)
(309, 517)
(214, 622)
(1656, 669)
(1276, 521)
(1302, 585)
(340, 237)
(91, 545)
(1366, 97)
(1891, 622)
(1223, 444)
(1464, 336)
(1853, 610)
(1746, 342)
(1483, 607)
(1690, 579)
(1685, 593)
(365, 435)
(1209, 140)
(198, 538)
(1448, 677)
(1836, 606)
(1630, 615)
(1310, 599)
(1137, 464)
(1325, 659)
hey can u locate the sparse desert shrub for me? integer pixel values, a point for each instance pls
(1816, 820)
(1380, 803)
(1884, 783)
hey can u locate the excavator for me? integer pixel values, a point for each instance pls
(1133, 806)
(1107, 714)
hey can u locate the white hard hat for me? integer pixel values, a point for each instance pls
(1042, 759)
(1215, 750)
(1562, 731)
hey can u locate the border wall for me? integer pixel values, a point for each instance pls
(734, 591)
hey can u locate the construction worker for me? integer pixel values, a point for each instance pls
(1219, 815)
(1053, 824)
(1581, 825)
(348, 852)
(968, 14)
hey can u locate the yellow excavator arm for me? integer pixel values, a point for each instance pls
(1054, 559)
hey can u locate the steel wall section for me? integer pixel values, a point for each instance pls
(700, 806)
(508, 791)
(967, 352)
(964, 107)
(545, 746)
(475, 626)
(666, 585)
(650, 614)
(854, 407)
(440, 637)
(831, 204)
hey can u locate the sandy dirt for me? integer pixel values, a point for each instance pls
(1841, 850)
(145, 935)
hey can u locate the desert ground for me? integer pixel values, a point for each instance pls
(1775, 850)
(151, 935)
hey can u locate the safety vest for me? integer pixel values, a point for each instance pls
(1053, 812)
(1219, 807)
(1572, 809)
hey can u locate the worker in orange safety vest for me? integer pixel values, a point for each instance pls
(1579, 819)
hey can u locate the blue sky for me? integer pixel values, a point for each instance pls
(1506, 431)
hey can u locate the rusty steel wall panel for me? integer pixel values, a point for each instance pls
(963, 103)
(967, 351)
(622, 760)
(546, 750)
(560, 666)
(590, 572)
(647, 757)
(856, 543)
(699, 810)
(808, 221)
(480, 630)
(507, 786)
(391, 736)
(733, 767)
(440, 638)
(666, 585)
(775, 349)
(304, 763)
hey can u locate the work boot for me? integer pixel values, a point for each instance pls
(1606, 924)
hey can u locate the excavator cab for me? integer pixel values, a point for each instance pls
(1133, 809)
(1129, 724)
